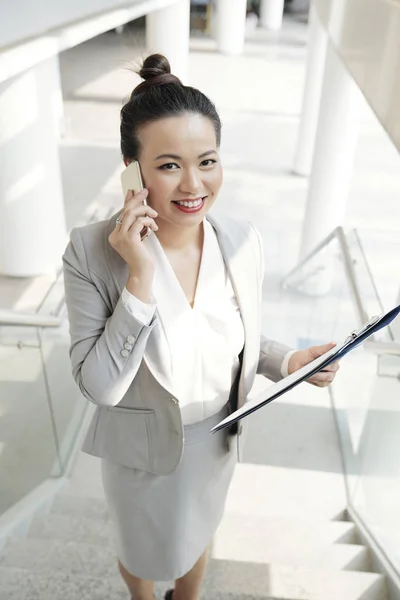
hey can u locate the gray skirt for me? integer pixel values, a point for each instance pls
(164, 523)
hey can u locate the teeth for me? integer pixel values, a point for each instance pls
(191, 204)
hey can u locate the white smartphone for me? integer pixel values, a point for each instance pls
(131, 179)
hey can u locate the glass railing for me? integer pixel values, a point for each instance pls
(41, 408)
(336, 288)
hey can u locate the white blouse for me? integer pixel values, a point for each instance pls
(200, 345)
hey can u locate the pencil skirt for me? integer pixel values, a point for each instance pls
(164, 523)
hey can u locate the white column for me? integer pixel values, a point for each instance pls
(316, 56)
(335, 144)
(32, 223)
(231, 26)
(167, 32)
(271, 13)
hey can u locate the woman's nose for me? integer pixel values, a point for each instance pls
(191, 182)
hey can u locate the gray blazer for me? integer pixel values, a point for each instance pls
(137, 422)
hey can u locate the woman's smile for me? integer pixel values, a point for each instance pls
(190, 206)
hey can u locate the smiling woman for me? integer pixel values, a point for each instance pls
(166, 339)
(174, 131)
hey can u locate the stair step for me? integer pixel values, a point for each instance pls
(92, 508)
(242, 541)
(224, 581)
(235, 531)
(282, 582)
(279, 530)
(60, 555)
(343, 557)
(18, 584)
(70, 527)
(270, 489)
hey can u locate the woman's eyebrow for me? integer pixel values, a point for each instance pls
(176, 157)
(207, 153)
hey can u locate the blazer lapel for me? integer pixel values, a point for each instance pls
(242, 268)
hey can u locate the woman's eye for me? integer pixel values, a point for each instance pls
(169, 167)
(208, 162)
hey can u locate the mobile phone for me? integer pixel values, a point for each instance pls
(131, 179)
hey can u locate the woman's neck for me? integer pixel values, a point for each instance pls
(180, 238)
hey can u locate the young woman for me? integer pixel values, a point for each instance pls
(166, 339)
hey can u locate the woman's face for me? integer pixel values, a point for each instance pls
(181, 169)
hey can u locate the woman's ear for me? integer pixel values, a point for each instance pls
(126, 161)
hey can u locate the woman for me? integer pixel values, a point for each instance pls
(165, 337)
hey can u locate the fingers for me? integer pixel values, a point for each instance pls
(139, 197)
(140, 223)
(130, 215)
(317, 351)
(322, 379)
(333, 368)
(129, 196)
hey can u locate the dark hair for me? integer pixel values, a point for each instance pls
(160, 95)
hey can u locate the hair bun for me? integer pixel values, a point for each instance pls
(154, 66)
(155, 71)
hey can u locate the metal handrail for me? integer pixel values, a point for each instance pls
(14, 319)
(340, 235)
(317, 249)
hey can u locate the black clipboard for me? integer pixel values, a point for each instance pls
(320, 363)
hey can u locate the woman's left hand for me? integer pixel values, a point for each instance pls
(303, 357)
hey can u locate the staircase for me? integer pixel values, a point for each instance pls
(68, 555)
(285, 534)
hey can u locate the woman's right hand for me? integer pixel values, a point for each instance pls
(125, 238)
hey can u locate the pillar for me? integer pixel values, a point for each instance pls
(231, 26)
(271, 13)
(32, 221)
(335, 145)
(316, 56)
(167, 32)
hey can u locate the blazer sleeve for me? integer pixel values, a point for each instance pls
(272, 353)
(107, 347)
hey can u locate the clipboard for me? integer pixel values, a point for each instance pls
(291, 381)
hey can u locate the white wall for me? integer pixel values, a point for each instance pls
(366, 35)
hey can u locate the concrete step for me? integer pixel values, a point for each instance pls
(70, 527)
(343, 557)
(22, 584)
(92, 508)
(234, 541)
(290, 491)
(59, 555)
(235, 532)
(281, 582)
(278, 530)
(229, 577)
(224, 581)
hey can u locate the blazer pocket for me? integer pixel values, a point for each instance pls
(126, 439)
(132, 410)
